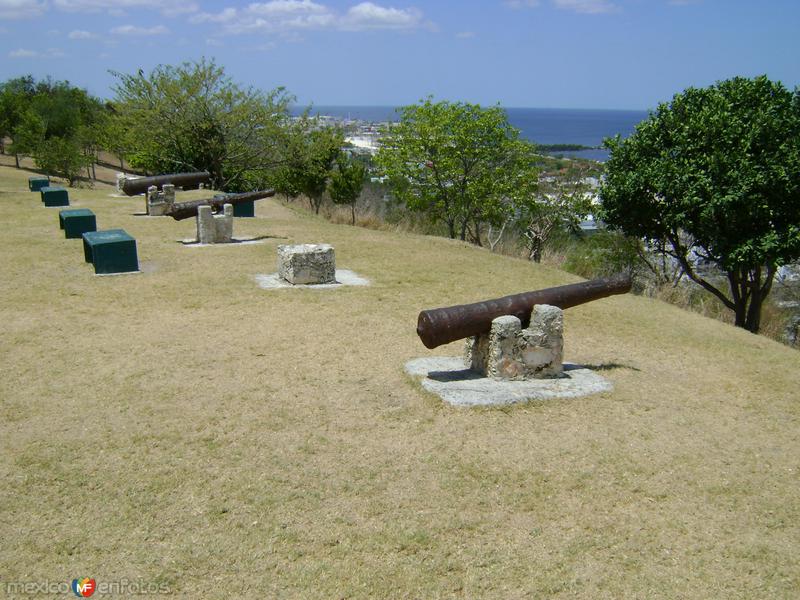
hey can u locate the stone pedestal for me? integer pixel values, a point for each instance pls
(307, 264)
(510, 352)
(157, 203)
(214, 229)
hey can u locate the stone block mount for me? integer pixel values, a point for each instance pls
(307, 264)
(510, 352)
(214, 229)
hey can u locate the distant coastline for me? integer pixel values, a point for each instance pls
(562, 132)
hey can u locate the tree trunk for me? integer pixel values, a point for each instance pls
(16, 159)
(94, 172)
(451, 228)
(353, 212)
(749, 293)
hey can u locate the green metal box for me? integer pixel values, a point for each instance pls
(77, 221)
(110, 251)
(54, 196)
(35, 184)
(245, 209)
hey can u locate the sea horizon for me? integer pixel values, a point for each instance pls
(546, 126)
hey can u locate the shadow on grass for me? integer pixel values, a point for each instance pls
(235, 241)
(610, 367)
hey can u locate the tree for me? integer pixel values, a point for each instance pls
(560, 203)
(308, 158)
(48, 118)
(347, 181)
(715, 176)
(15, 97)
(193, 117)
(28, 134)
(457, 162)
(64, 157)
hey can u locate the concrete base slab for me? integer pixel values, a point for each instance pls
(343, 277)
(118, 274)
(448, 378)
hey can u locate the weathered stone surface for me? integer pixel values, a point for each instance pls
(447, 378)
(510, 352)
(158, 203)
(214, 229)
(308, 264)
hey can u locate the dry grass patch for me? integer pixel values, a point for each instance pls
(187, 427)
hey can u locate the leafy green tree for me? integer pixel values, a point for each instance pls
(559, 203)
(48, 117)
(459, 163)
(28, 134)
(347, 181)
(308, 159)
(15, 97)
(715, 175)
(64, 157)
(193, 117)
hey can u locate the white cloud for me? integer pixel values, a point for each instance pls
(21, 9)
(465, 35)
(589, 7)
(287, 15)
(169, 8)
(24, 53)
(139, 31)
(226, 16)
(371, 16)
(522, 3)
(79, 34)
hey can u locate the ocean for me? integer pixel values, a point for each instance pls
(586, 127)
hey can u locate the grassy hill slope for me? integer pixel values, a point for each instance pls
(186, 427)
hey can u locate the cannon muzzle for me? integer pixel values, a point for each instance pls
(444, 325)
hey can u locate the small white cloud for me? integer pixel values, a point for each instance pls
(79, 34)
(522, 3)
(214, 42)
(168, 8)
(371, 16)
(140, 31)
(464, 35)
(226, 16)
(284, 16)
(589, 7)
(25, 53)
(21, 9)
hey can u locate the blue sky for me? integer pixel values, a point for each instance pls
(627, 54)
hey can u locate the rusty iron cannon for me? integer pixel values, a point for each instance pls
(444, 325)
(185, 210)
(131, 187)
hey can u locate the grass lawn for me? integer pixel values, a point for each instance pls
(185, 427)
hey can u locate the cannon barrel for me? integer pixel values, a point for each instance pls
(185, 210)
(139, 185)
(443, 325)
